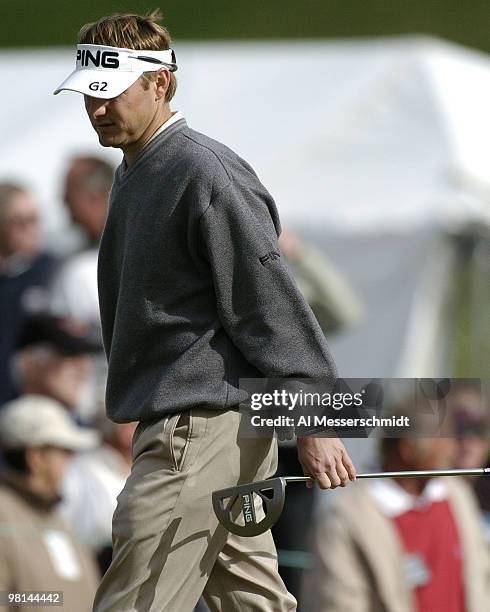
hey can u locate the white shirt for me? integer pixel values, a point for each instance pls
(74, 290)
(394, 501)
(90, 488)
(176, 115)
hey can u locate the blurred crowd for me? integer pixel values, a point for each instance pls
(63, 462)
(393, 545)
(411, 544)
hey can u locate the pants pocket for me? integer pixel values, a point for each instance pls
(147, 434)
(180, 429)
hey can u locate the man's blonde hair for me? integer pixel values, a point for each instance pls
(131, 31)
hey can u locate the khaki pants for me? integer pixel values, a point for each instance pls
(168, 545)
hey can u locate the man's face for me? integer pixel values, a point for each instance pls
(433, 453)
(121, 121)
(47, 465)
(472, 452)
(75, 195)
(45, 371)
(19, 226)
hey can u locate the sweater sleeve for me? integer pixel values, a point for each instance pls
(258, 301)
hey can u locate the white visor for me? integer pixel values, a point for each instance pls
(105, 72)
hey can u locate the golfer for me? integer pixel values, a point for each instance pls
(194, 294)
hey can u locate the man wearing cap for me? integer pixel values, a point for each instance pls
(194, 295)
(37, 550)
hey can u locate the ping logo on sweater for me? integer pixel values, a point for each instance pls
(270, 256)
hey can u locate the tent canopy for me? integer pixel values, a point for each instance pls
(356, 135)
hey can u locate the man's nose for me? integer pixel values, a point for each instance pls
(96, 107)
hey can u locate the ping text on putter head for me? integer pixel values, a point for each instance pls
(273, 494)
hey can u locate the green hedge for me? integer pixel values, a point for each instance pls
(56, 22)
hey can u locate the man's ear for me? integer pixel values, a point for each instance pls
(162, 83)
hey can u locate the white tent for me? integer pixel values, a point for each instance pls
(373, 149)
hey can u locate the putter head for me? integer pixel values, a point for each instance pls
(272, 492)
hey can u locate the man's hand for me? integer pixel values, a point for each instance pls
(325, 460)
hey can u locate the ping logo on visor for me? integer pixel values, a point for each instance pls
(121, 68)
(106, 59)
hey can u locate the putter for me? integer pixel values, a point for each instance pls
(273, 494)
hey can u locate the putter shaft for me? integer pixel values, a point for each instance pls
(273, 494)
(412, 474)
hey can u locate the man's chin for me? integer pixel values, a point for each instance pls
(107, 141)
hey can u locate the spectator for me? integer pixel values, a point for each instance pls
(402, 545)
(25, 271)
(74, 292)
(37, 550)
(88, 182)
(87, 186)
(471, 414)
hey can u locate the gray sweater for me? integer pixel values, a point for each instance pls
(194, 292)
